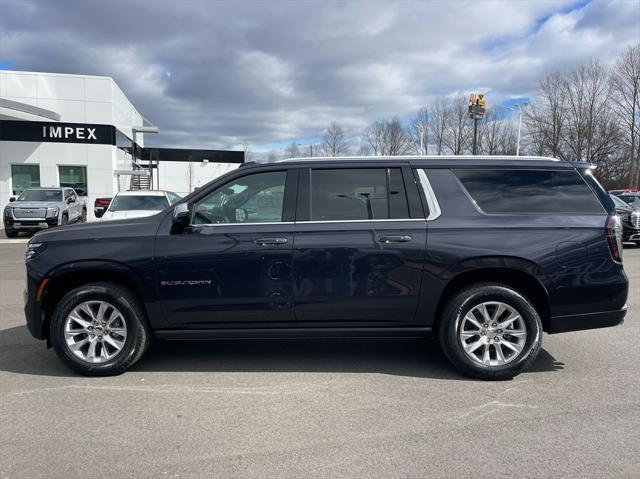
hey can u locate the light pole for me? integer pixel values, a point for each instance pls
(519, 108)
(421, 127)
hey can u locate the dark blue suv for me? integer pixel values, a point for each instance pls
(486, 253)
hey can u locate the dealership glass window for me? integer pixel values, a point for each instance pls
(358, 194)
(256, 198)
(529, 191)
(74, 177)
(24, 176)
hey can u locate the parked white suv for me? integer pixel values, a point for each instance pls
(136, 204)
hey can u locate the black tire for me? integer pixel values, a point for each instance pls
(463, 302)
(64, 220)
(10, 233)
(83, 217)
(138, 332)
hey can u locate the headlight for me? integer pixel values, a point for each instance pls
(52, 212)
(7, 212)
(33, 249)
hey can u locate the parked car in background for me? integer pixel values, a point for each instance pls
(632, 199)
(485, 253)
(100, 205)
(630, 217)
(620, 192)
(41, 208)
(137, 204)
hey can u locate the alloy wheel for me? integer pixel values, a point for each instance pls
(492, 333)
(95, 331)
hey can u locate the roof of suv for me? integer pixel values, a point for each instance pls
(439, 161)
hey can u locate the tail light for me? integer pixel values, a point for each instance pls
(101, 202)
(613, 230)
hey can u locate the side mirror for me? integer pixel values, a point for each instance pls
(98, 212)
(70, 200)
(12, 199)
(180, 216)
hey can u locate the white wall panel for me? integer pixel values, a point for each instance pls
(98, 112)
(60, 87)
(17, 84)
(98, 89)
(70, 111)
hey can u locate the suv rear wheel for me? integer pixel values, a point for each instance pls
(490, 331)
(99, 329)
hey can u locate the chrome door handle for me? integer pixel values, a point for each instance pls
(394, 239)
(270, 241)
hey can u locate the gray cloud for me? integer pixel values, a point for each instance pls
(214, 74)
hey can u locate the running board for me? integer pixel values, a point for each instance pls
(293, 333)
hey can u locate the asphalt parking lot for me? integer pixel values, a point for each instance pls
(318, 409)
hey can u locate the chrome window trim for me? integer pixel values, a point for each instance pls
(243, 224)
(387, 220)
(432, 201)
(394, 220)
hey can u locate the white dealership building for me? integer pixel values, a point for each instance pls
(80, 131)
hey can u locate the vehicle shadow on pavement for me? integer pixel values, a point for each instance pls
(420, 358)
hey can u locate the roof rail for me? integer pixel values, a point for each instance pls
(422, 157)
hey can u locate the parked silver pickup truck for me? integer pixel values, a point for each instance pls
(40, 208)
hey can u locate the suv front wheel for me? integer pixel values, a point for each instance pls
(99, 329)
(490, 331)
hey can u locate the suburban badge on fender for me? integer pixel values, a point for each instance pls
(192, 282)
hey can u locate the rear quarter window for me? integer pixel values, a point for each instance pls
(529, 191)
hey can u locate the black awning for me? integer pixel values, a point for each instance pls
(185, 154)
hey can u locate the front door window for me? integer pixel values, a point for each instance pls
(256, 198)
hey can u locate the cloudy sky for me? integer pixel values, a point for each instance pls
(218, 75)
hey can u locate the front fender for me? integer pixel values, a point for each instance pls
(110, 269)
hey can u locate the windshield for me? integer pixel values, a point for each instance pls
(40, 195)
(631, 200)
(139, 202)
(618, 202)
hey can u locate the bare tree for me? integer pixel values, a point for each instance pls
(591, 132)
(439, 121)
(420, 131)
(373, 136)
(292, 150)
(334, 141)
(396, 140)
(496, 136)
(272, 157)
(248, 156)
(459, 129)
(387, 138)
(546, 118)
(626, 98)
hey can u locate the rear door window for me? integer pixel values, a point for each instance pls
(529, 191)
(357, 194)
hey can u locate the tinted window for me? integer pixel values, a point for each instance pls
(41, 195)
(631, 200)
(173, 198)
(618, 202)
(256, 198)
(139, 202)
(24, 176)
(529, 191)
(357, 194)
(74, 177)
